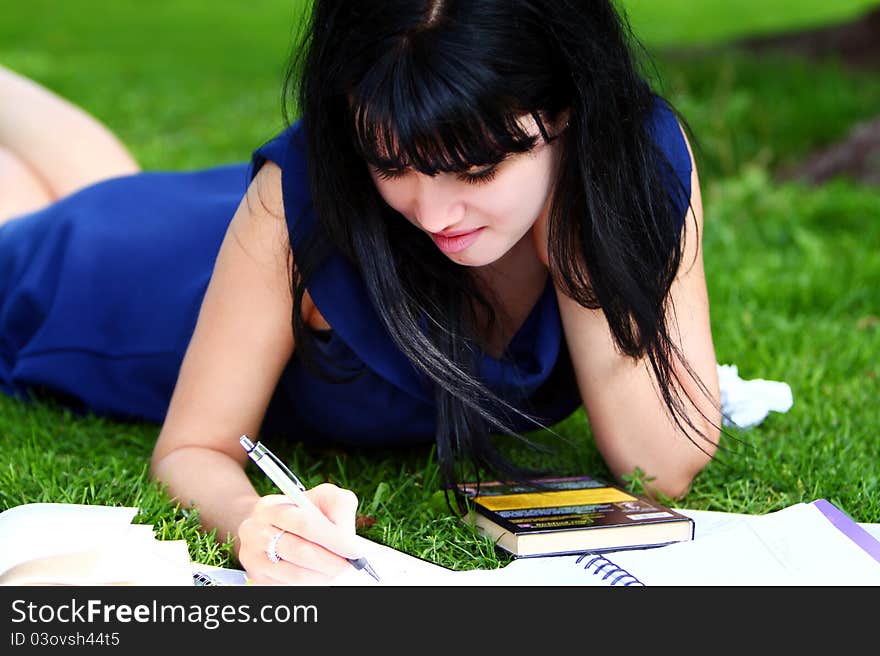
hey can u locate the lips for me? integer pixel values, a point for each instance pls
(454, 233)
(455, 242)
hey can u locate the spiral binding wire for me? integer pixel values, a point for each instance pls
(606, 568)
(200, 578)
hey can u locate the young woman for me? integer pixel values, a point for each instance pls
(484, 220)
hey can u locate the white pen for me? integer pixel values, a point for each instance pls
(290, 485)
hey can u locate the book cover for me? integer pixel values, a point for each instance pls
(571, 515)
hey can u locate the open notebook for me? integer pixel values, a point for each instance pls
(804, 544)
(79, 544)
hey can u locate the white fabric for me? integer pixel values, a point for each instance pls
(745, 403)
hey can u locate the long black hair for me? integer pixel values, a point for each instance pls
(441, 86)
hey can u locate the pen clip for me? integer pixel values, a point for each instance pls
(293, 477)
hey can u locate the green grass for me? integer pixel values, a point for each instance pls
(768, 111)
(792, 271)
(686, 22)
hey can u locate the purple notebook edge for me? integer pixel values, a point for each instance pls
(846, 525)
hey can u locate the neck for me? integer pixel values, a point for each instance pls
(518, 266)
(512, 285)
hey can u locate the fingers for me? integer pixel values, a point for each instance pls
(283, 573)
(299, 561)
(313, 541)
(336, 504)
(294, 550)
(330, 522)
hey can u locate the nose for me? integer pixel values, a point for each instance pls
(436, 203)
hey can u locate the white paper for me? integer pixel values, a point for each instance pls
(35, 530)
(746, 403)
(79, 544)
(794, 546)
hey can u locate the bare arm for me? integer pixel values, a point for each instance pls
(629, 420)
(242, 341)
(240, 345)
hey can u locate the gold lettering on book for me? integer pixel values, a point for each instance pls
(554, 498)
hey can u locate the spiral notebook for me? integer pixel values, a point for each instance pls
(804, 544)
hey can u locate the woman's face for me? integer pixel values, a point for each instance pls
(477, 216)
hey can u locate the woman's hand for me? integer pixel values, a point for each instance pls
(312, 543)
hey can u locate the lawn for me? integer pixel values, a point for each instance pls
(680, 22)
(792, 270)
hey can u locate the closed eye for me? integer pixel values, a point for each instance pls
(389, 174)
(481, 176)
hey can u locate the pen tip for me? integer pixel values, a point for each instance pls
(246, 442)
(372, 572)
(361, 563)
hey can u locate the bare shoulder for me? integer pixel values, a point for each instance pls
(695, 176)
(693, 229)
(259, 227)
(263, 229)
(264, 194)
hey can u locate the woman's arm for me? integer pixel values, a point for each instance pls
(240, 345)
(242, 341)
(628, 418)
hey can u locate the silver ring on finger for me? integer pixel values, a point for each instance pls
(272, 546)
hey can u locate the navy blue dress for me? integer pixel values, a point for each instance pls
(99, 295)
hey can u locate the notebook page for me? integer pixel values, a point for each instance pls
(400, 569)
(394, 568)
(707, 522)
(116, 562)
(548, 571)
(794, 546)
(36, 530)
(831, 553)
(733, 556)
(162, 562)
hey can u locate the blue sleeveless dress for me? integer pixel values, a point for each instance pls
(100, 292)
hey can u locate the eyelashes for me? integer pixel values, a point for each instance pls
(482, 176)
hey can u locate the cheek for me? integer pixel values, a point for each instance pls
(391, 192)
(519, 198)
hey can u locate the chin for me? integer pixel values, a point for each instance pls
(474, 259)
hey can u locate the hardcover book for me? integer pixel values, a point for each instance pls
(571, 515)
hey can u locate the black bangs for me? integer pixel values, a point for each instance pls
(414, 111)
